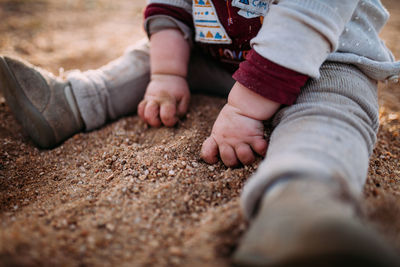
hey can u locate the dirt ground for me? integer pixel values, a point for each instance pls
(127, 194)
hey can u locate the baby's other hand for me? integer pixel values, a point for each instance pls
(235, 138)
(166, 99)
(238, 132)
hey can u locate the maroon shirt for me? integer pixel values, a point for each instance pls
(255, 72)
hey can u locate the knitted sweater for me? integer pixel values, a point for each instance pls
(291, 37)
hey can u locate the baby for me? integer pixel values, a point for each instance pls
(311, 65)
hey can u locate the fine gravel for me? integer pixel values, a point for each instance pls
(128, 194)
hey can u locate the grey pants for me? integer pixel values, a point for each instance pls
(329, 132)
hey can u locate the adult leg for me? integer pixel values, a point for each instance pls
(303, 194)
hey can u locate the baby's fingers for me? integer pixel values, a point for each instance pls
(168, 113)
(228, 155)
(141, 107)
(209, 151)
(183, 105)
(151, 113)
(245, 154)
(259, 146)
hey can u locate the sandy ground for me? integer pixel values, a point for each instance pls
(127, 194)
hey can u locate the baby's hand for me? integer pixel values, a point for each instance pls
(238, 132)
(235, 137)
(166, 99)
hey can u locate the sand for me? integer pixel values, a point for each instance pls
(127, 194)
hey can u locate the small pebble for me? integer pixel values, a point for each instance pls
(176, 251)
(109, 178)
(110, 227)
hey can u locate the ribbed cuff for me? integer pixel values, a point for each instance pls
(171, 11)
(269, 79)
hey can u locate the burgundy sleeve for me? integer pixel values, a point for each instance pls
(168, 10)
(269, 79)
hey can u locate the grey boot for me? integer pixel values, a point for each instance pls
(41, 102)
(309, 222)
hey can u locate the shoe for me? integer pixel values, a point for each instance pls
(311, 223)
(41, 102)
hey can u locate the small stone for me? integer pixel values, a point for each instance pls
(135, 189)
(176, 251)
(110, 227)
(211, 168)
(154, 243)
(393, 116)
(186, 198)
(110, 177)
(171, 173)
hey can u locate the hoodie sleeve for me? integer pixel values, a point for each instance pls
(300, 34)
(166, 14)
(295, 39)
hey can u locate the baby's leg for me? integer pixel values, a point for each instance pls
(113, 90)
(329, 133)
(51, 109)
(302, 199)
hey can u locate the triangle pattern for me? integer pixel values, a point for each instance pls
(207, 25)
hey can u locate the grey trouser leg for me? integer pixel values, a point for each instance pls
(328, 133)
(117, 88)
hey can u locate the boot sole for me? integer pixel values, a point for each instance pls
(24, 111)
